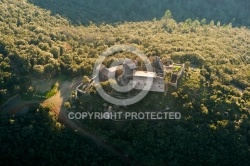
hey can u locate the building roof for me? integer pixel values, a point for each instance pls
(114, 68)
(144, 74)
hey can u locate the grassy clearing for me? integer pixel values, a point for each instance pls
(176, 69)
(53, 91)
(45, 88)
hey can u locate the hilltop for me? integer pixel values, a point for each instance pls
(213, 96)
(113, 11)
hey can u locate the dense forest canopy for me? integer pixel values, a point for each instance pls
(213, 95)
(111, 11)
(33, 41)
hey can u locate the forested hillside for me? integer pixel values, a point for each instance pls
(38, 139)
(34, 43)
(213, 95)
(111, 11)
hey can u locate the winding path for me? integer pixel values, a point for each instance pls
(56, 105)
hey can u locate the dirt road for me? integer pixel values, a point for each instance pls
(56, 105)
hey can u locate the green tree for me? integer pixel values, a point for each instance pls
(85, 80)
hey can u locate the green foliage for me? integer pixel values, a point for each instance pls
(176, 69)
(38, 135)
(67, 105)
(167, 15)
(34, 43)
(85, 80)
(53, 91)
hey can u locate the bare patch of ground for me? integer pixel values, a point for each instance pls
(56, 105)
(56, 101)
